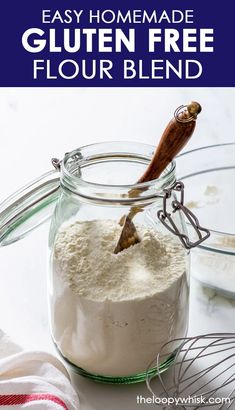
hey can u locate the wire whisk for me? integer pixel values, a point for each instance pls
(202, 374)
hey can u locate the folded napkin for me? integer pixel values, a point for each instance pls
(33, 380)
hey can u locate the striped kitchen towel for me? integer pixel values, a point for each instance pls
(33, 380)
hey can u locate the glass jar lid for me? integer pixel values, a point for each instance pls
(29, 207)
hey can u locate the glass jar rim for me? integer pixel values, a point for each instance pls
(78, 180)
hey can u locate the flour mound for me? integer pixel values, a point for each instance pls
(84, 255)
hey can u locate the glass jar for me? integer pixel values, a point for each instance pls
(109, 313)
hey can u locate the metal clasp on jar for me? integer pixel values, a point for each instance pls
(178, 205)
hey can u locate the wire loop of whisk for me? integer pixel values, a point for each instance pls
(202, 374)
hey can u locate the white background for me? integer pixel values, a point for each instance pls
(37, 124)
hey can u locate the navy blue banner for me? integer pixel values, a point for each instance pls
(170, 43)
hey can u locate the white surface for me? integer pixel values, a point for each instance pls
(37, 124)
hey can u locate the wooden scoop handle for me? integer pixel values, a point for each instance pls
(174, 138)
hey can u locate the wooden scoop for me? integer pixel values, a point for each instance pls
(174, 138)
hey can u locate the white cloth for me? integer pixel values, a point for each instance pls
(33, 380)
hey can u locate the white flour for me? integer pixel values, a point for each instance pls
(111, 313)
